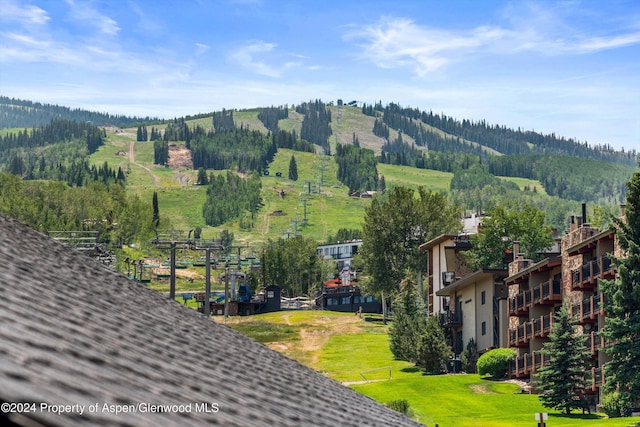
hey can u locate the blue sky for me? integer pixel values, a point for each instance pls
(569, 67)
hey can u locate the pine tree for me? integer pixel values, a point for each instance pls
(622, 304)
(404, 332)
(156, 210)
(433, 352)
(562, 378)
(202, 177)
(139, 134)
(293, 169)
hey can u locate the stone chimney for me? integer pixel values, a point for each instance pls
(516, 250)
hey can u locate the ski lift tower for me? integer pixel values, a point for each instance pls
(171, 240)
(207, 246)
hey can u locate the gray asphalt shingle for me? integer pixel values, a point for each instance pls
(73, 332)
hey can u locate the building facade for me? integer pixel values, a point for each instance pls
(537, 291)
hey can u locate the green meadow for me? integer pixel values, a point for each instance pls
(356, 352)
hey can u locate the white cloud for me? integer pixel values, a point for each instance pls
(246, 57)
(25, 15)
(201, 48)
(402, 43)
(84, 14)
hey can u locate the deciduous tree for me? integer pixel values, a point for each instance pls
(394, 228)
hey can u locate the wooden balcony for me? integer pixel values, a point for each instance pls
(528, 364)
(589, 309)
(586, 277)
(594, 379)
(595, 342)
(547, 293)
(537, 328)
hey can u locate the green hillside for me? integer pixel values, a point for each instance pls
(317, 205)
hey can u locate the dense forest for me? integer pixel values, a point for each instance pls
(230, 197)
(52, 205)
(499, 138)
(585, 182)
(316, 123)
(270, 116)
(17, 113)
(241, 148)
(356, 168)
(57, 151)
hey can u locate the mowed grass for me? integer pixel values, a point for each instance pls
(524, 182)
(347, 348)
(413, 177)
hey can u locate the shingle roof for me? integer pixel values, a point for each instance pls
(73, 332)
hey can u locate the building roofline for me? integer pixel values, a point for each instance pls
(576, 249)
(436, 241)
(551, 261)
(473, 277)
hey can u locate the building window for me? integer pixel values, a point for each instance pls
(332, 301)
(483, 298)
(484, 328)
(345, 300)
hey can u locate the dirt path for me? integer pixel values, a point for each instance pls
(132, 160)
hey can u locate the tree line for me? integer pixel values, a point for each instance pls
(58, 151)
(586, 182)
(500, 138)
(270, 116)
(18, 113)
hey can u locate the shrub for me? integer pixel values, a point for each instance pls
(613, 404)
(469, 357)
(400, 405)
(496, 362)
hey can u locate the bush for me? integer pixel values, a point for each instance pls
(613, 404)
(469, 357)
(400, 405)
(496, 362)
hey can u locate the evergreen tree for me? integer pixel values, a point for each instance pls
(622, 304)
(202, 176)
(408, 322)
(293, 169)
(469, 357)
(562, 378)
(433, 352)
(139, 134)
(382, 184)
(156, 210)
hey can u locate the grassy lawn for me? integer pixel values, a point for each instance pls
(344, 347)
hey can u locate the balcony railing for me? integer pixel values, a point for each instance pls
(588, 310)
(537, 328)
(451, 319)
(594, 342)
(594, 378)
(545, 293)
(586, 276)
(528, 364)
